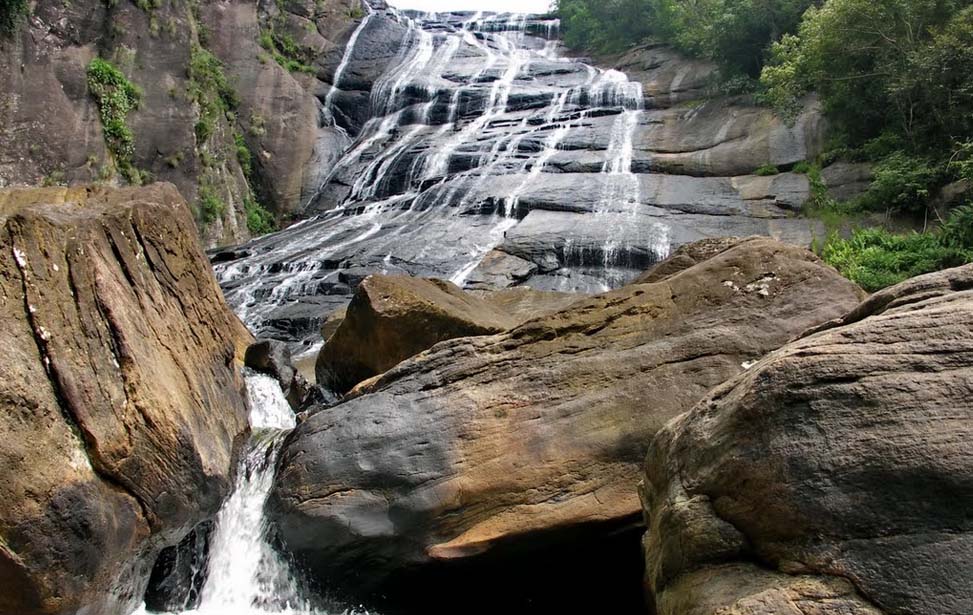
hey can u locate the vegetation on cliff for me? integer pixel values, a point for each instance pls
(116, 97)
(895, 78)
(732, 33)
(10, 13)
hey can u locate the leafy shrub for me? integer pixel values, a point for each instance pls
(902, 183)
(733, 33)
(210, 207)
(767, 170)
(259, 220)
(204, 129)
(605, 26)
(285, 51)
(116, 97)
(874, 258)
(11, 12)
(210, 89)
(957, 231)
(804, 168)
(243, 155)
(903, 67)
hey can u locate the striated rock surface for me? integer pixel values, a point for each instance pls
(122, 404)
(834, 476)
(492, 449)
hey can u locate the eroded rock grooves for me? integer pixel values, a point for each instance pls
(124, 404)
(483, 156)
(487, 449)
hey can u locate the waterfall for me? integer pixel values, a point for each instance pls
(244, 573)
(343, 66)
(478, 122)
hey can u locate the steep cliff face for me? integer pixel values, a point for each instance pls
(121, 403)
(226, 107)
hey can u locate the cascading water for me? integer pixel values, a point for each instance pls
(342, 67)
(475, 121)
(244, 574)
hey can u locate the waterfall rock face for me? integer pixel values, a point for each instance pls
(488, 449)
(122, 405)
(834, 474)
(483, 156)
(274, 359)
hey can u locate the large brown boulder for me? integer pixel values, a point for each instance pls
(833, 477)
(490, 448)
(392, 318)
(121, 403)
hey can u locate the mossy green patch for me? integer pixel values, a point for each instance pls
(284, 50)
(259, 220)
(12, 13)
(210, 207)
(116, 97)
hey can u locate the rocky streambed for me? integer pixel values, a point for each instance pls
(779, 442)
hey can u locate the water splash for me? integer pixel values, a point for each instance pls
(245, 575)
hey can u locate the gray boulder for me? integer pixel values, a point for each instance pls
(833, 477)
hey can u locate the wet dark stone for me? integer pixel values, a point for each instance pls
(179, 573)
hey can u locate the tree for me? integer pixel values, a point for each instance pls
(879, 66)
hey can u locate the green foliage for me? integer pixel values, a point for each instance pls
(767, 170)
(903, 183)
(116, 97)
(210, 207)
(285, 51)
(957, 231)
(243, 155)
(210, 90)
(259, 220)
(874, 258)
(604, 25)
(733, 33)
(11, 12)
(54, 178)
(896, 80)
(904, 66)
(148, 5)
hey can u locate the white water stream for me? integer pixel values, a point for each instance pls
(244, 573)
(426, 175)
